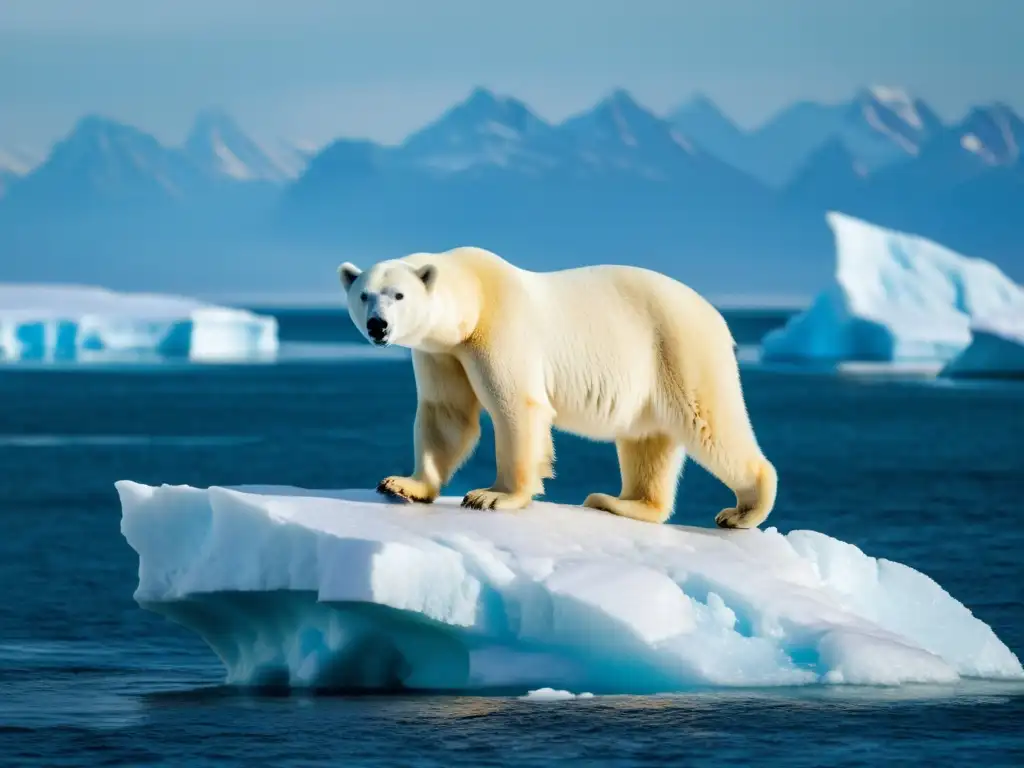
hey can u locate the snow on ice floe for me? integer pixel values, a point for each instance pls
(896, 298)
(996, 349)
(63, 322)
(341, 589)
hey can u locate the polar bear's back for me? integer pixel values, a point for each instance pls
(646, 304)
(607, 306)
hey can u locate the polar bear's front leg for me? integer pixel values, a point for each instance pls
(446, 429)
(523, 446)
(520, 448)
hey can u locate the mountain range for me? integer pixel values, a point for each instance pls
(692, 194)
(878, 127)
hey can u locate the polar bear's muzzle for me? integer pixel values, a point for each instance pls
(377, 330)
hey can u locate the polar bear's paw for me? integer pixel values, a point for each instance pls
(406, 489)
(632, 508)
(487, 498)
(740, 517)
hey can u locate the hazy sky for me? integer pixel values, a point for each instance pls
(316, 69)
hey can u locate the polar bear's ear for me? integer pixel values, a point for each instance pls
(427, 273)
(348, 272)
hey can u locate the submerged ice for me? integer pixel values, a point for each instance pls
(344, 590)
(56, 322)
(996, 349)
(895, 298)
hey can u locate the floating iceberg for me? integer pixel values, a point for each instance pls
(341, 589)
(550, 694)
(58, 322)
(996, 349)
(896, 298)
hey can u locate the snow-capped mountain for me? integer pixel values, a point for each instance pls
(883, 125)
(988, 139)
(613, 182)
(994, 134)
(964, 186)
(293, 156)
(485, 130)
(609, 181)
(102, 160)
(619, 134)
(217, 145)
(880, 126)
(500, 135)
(16, 162)
(13, 165)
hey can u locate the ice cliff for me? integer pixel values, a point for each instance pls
(895, 298)
(58, 322)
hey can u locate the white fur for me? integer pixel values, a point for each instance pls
(611, 353)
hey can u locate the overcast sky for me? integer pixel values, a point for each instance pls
(316, 69)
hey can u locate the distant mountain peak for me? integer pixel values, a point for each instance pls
(622, 103)
(14, 162)
(883, 125)
(701, 120)
(94, 127)
(485, 109)
(481, 97)
(894, 112)
(213, 121)
(897, 100)
(701, 107)
(221, 148)
(483, 129)
(104, 160)
(620, 119)
(703, 101)
(95, 137)
(622, 97)
(993, 133)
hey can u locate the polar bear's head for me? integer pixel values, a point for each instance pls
(389, 302)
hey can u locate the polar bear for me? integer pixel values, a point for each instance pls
(612, 353)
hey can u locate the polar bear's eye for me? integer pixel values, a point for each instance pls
(399, 296)
(363, 295)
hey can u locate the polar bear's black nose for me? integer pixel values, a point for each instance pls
(377, 328)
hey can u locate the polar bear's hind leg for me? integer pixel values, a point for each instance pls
(754, 502)
(722, 441)
(650, 468)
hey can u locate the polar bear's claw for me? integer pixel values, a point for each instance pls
(739, 517)
(400, 488)
(485, 498)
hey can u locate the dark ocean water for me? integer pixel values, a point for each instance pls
(929, 474)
